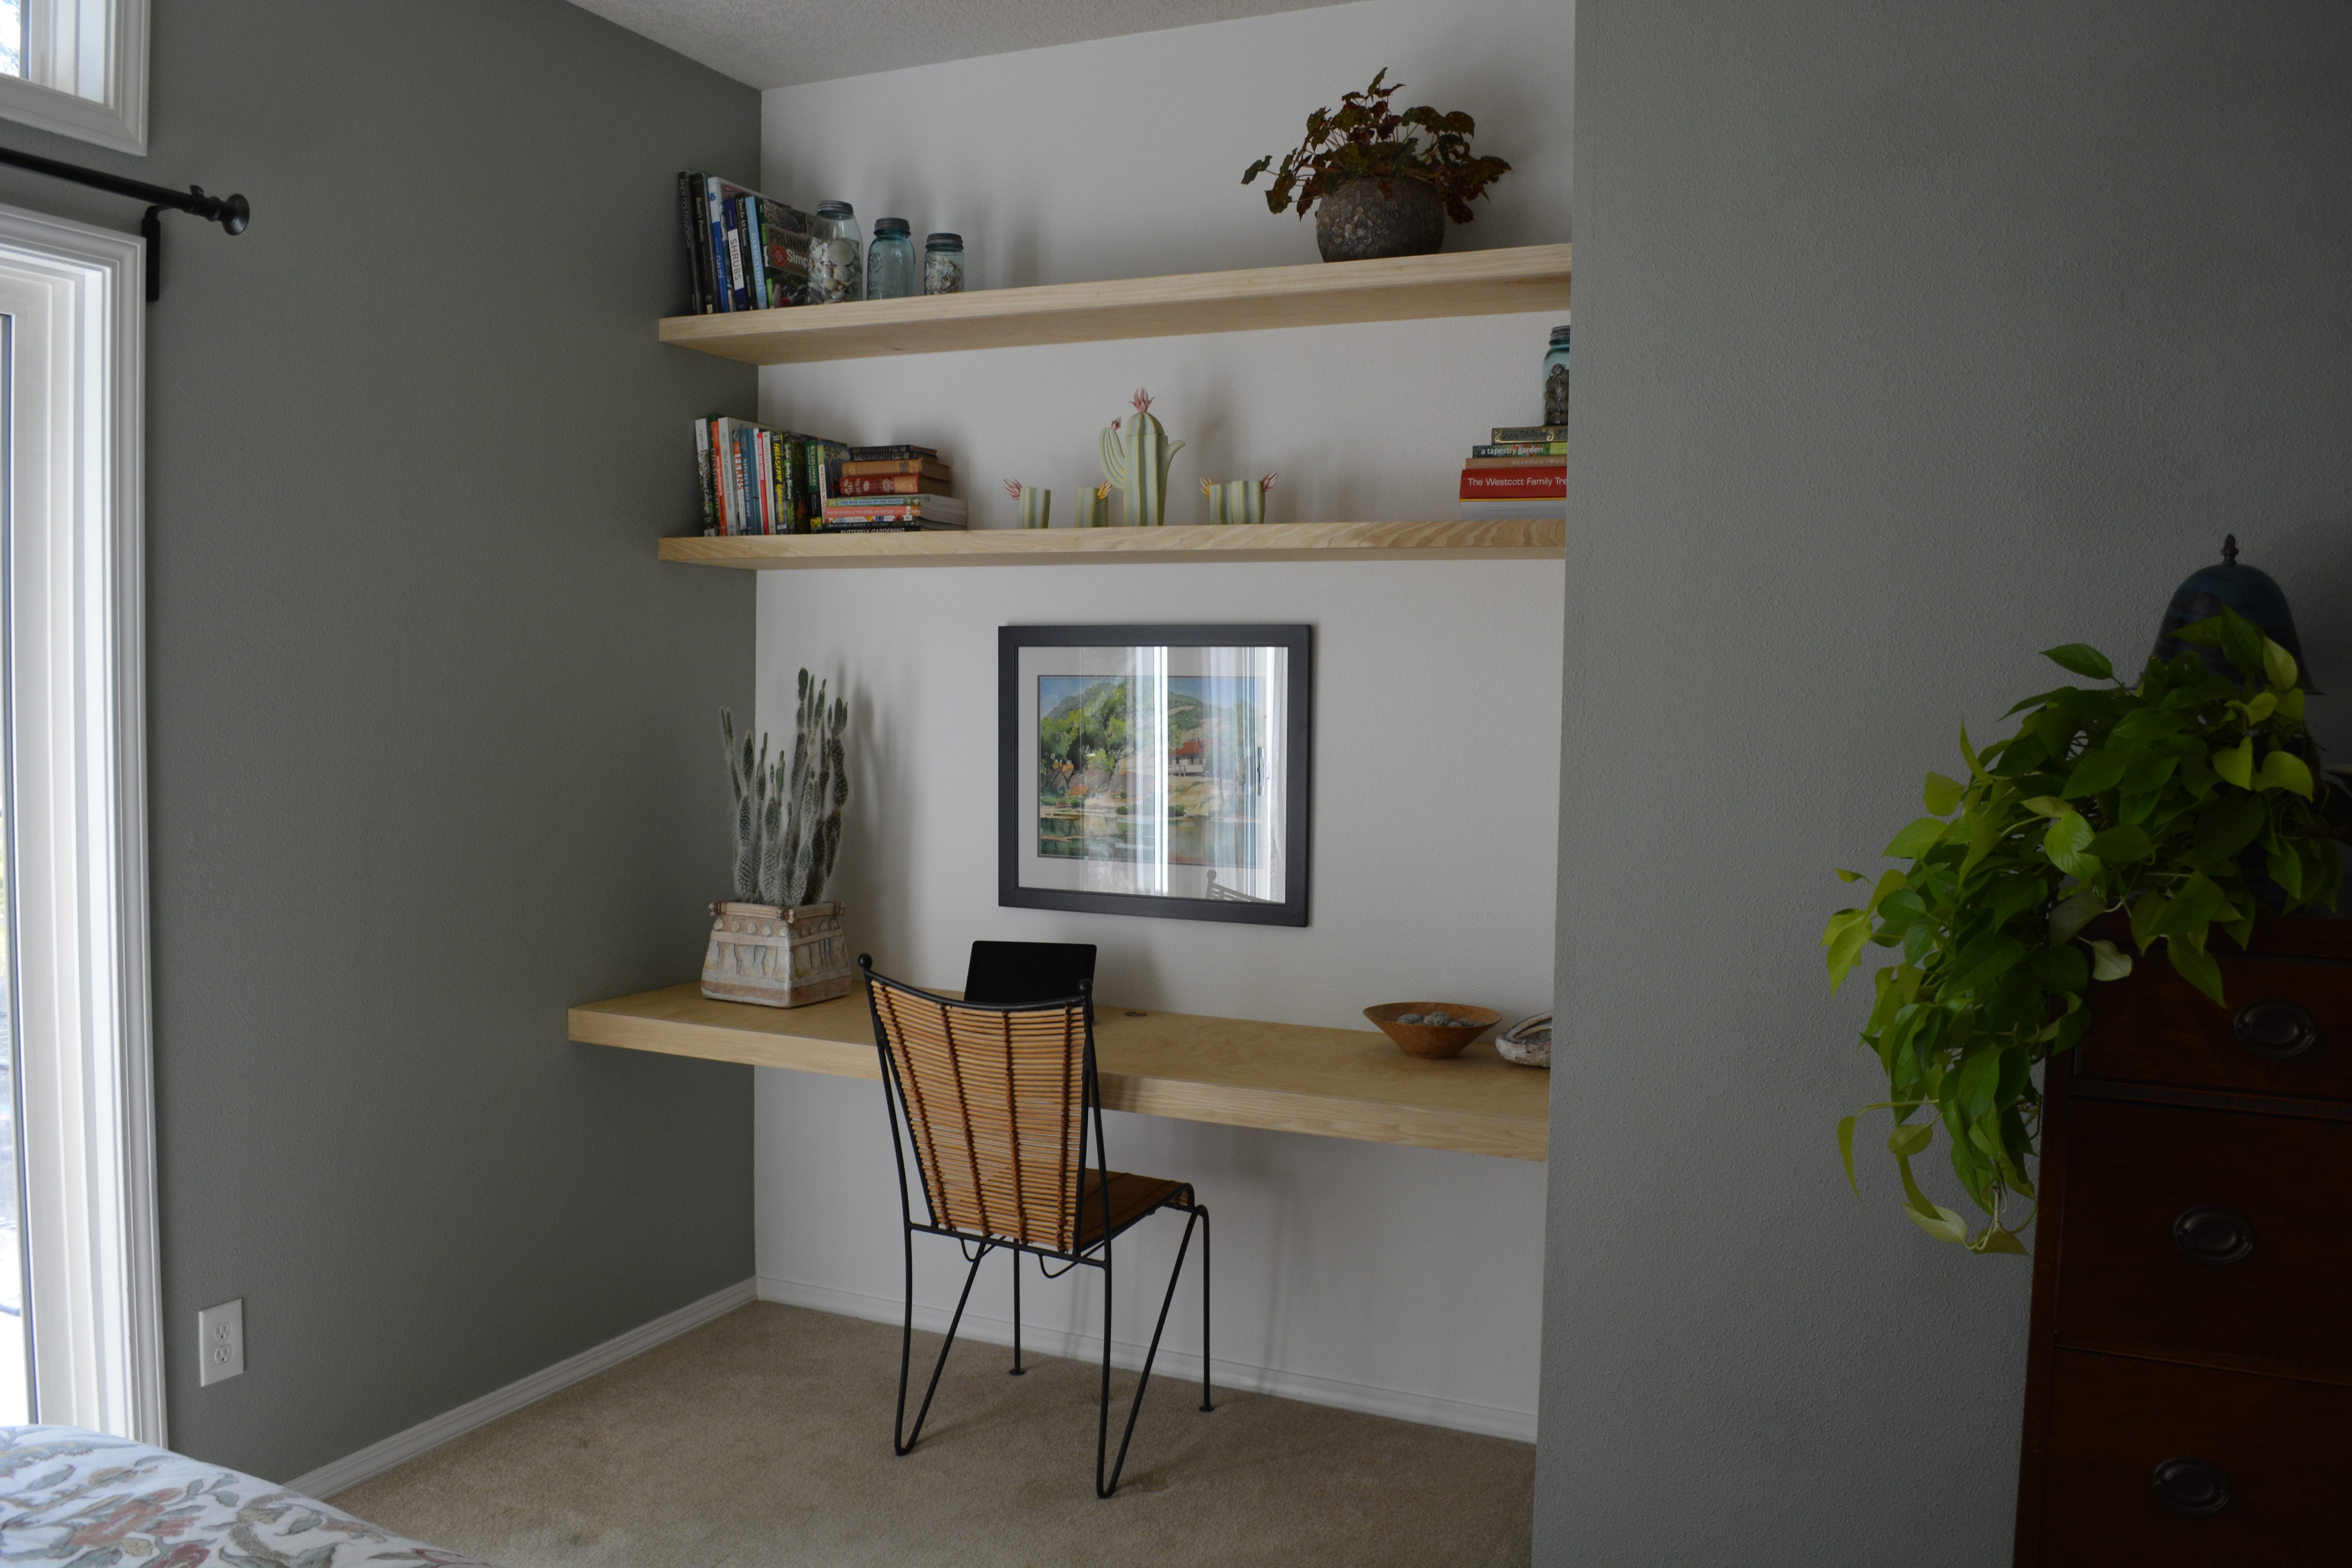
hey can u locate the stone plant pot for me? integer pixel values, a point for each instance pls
(1356, 223)
(776, 957)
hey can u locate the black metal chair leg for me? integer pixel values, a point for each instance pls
(1018, 1370)
(1135, 1406)
(1205, 1405)
(906, 1340)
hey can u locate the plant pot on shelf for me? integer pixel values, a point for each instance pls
(776, 957)
(1358, 223)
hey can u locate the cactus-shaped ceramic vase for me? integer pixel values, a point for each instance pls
(1238, 500)
(1036, 505)
(1094, 507)
(1136, 462)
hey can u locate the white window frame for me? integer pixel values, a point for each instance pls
(76, 819)
(119, 119)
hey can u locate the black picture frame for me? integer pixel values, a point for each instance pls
(1017, 807)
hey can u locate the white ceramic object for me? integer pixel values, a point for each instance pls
(776, 957)
(1526, 1042)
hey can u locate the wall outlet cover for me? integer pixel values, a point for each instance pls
(220, 1342)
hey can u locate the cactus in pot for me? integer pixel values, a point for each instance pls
(1238, 500)
(776, 944)
(1136, 462)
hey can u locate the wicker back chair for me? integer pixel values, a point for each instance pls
(1002, 1106)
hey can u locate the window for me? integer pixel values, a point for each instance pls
(77, 68)
(72, 296)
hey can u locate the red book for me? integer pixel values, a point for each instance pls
(891, 485)
(1514, 484)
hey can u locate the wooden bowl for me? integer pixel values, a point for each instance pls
(1421, 1039)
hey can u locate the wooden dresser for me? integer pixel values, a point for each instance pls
(2189, 1381)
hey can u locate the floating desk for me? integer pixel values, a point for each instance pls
(1340, 1083)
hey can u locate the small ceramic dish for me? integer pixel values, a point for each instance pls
(1435, 1040)
(1526, 1042)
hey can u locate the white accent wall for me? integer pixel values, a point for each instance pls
(1394, 1279)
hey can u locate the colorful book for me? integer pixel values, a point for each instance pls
(929, 468)
(944, 508)
(714, 219)
(1514, 511)
(783, 251)
(1500, 484)
(821, 464)
(1504, 432)
(890, 484)
(1556, 464)
(882, 525)
(1522, 450)
(890, 453)
(702, 475)
(698, 269)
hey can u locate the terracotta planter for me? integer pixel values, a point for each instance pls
(776, 957)
(1356, 223)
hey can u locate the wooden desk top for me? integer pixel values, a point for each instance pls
(1340, 1083)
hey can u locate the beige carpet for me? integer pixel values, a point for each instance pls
(763, 1439)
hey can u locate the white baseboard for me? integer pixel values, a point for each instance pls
(402, 1446)
(1462, 1416)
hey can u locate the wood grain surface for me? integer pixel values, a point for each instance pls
(1531, 539)
(1337, 1083)
(1410, 288)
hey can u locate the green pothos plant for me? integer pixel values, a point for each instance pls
(2189, 802)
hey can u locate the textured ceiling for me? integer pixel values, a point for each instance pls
(780, 43)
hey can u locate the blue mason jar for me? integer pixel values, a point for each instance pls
(890, 262)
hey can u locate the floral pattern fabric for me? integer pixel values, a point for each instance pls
(79, 1499)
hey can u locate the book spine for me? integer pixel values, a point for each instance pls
(780, 520)
(1506, 433)
(754, 253)
(715, 218)
(892, 454)
(739, 467)
(923, 466)
(718, 476)
(730, 220)
(1522, 450)
(1494, 484)
(702, 476)
(892, 484)
(697, 286)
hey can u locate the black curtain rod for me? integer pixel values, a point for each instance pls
(232, 213)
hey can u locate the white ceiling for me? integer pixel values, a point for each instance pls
(782, 43)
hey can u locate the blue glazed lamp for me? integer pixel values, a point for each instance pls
(2250, 591)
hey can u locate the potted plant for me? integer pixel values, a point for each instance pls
(2186, 804)
(1386, 182)
(776, 942)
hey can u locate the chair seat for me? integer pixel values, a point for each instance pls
(1131, 1197)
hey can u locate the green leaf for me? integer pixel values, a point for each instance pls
(2065, 969)
(2279, 665)
(1942, 795)
(2118, 844)
(2044, 806)
(1847, 931)
(1941, 1223)
(2206, 633)
(2235, 765)
(1917, 838)
(1995, 1240)
(2081, 658)
(2228, 826)
(2285, 770)
(2094, 773)
(2192, 910)
(1983, 960)
(1845, 1151)
(2073, 912)
(2242, 644)
(1976, 767)
(1910, 1138)
(2194, 965)
(1846, 876)
(2109, 962)
(2068, 844)
(2147, 724)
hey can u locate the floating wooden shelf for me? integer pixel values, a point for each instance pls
(1338, 1083)
(1410, 288)
(1540, 539)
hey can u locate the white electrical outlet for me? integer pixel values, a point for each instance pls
(220, 1342)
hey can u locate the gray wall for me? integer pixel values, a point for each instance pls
(1910, 339)
(432, 747)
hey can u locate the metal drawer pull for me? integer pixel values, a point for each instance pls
(2213, 1235)
(2195, 1488)
(2275, 1028)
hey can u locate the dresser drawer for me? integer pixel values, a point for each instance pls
(2287, 1031)
(2277, 1447)
(2207, 1235)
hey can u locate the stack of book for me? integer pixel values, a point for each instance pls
(1522, 473)
(758, 481)
(891, 489)
(744, 251)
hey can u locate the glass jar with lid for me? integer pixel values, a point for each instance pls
(943, 264)
(837, 255)
(890, 262)
(1555, 377)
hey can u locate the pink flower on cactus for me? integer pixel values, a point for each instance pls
(1267, 483)
(1142, 401)
(1013, 489)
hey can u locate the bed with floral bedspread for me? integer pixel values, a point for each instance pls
(83, 1500)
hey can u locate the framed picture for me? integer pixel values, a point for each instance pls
(1158, 771)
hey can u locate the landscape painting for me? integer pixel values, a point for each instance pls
(1167, 772)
